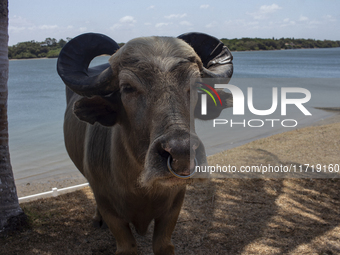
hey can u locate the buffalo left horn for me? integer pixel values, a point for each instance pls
(74, 60)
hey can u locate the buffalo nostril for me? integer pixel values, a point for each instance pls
(184, 175)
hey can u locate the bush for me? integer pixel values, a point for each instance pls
(53, 53)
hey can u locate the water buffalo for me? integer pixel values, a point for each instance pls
(128, 123)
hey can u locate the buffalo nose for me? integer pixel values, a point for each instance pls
(181, 154)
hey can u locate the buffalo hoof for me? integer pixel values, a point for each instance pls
(167, 250)
(99, 224)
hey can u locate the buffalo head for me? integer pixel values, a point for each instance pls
(145, 93)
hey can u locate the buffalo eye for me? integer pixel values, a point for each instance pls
(127, 88)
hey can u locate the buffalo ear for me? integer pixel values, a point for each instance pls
(96, 109)
(213, 111)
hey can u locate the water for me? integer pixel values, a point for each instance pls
(37, 103)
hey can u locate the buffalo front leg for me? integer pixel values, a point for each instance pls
(164, 226)
(126, 243)
(98, 221)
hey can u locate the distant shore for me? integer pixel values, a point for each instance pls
(231, 51)
(29, 58)
(51, 48)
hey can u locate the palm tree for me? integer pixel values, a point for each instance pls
(11, 215)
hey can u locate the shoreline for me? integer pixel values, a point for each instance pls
(231, 51)
(29, 58)
(63, 181)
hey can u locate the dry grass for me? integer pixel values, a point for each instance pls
(224, 216)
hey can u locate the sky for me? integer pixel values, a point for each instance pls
(128, 19)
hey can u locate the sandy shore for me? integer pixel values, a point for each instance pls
(43, 185)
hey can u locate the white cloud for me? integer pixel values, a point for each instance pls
(151, 7)
(82, 29)
(45, 27)
(269, 8)
(314, 22)
(115, 26)
(15, 29)
(18, 24)
(19, 21)
(158, 25)
(204, 6)
(329, 18)
(127, 19)
(69, 27)
(147, 24)
(212, 24)
(175, 16)
(185, 23)
(303, 18)
(287, 22)
(264, 11)
(125, 22)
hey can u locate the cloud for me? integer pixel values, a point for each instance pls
(15, 29)
(314, 22)
(303, 18)
(19, 21)
(264, 11)
(329, 18)
(151, 7)
(46, 27)
(269, 8)
(158, 25)
(185, 23)
(18, 24)
(204, 6)
(175, 16)
(82, 29)
(211, 24)
(288, 22)
(124, 22)
(127, 19)
(115, 26)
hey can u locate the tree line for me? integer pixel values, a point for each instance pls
(50, 48)
(246, 44)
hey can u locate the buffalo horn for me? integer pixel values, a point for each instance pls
(74, 60)
(215, 56)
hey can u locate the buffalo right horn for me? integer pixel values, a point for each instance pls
(74, 60)
(215, 56)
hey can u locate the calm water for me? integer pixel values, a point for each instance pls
(37, 102)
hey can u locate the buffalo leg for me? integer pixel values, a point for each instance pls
(126, 243)
(164, 226)
(98, 221)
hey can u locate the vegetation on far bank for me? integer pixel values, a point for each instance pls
(245, 44)
(50, 48)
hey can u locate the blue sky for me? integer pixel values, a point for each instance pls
(124, 20)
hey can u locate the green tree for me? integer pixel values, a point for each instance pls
(11, 215)
(61, 43)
